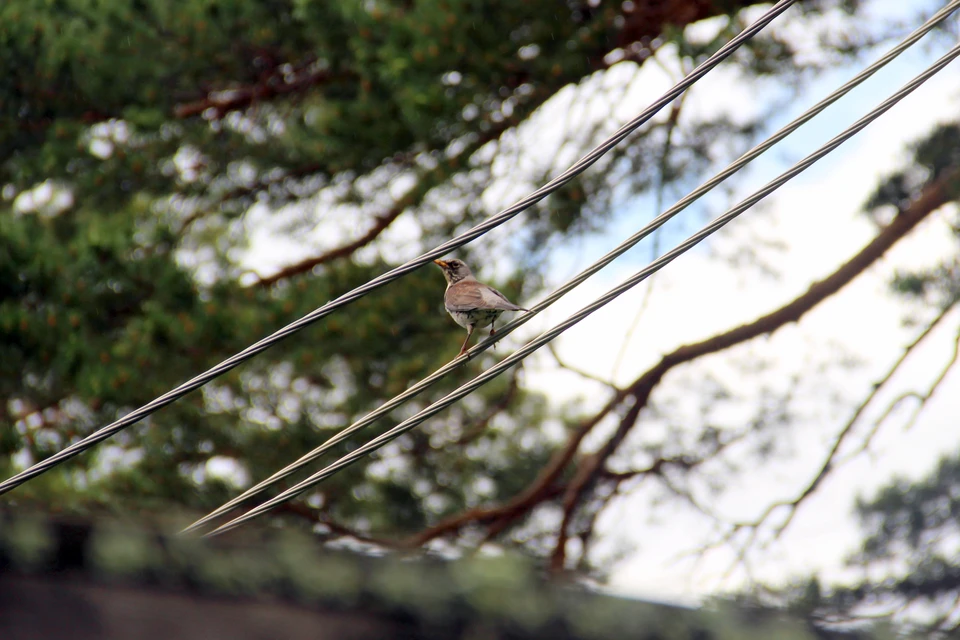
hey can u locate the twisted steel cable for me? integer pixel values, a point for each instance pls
(631, 282)
(622, 248)
(477, 231)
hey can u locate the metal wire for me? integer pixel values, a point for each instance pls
(622, 248)
(477, 231)
(631, 282)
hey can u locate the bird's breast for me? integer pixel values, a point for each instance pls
(479, 318)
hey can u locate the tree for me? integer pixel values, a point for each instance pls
(142, 143)
(906, 569)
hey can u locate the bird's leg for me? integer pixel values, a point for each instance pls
(493, 331)
(463, 348)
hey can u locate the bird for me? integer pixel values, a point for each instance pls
(472, 304)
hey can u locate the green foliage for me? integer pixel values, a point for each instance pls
(930, 157)
(912, 516)
(135, 137)
(120, 170)
(909, 554)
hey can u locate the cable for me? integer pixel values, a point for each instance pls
(631, 282)
(588, 272)
(477, 231)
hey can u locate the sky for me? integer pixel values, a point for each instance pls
(799, 234)
(810, 226)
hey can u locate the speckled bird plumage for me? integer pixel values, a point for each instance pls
(472, 304)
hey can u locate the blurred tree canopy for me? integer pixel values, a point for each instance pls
(144, 143)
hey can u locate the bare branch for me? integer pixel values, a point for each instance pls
(830, 461)
(924, 398)
(545, 486)
(584, 477)
(847, 429)
(384, 220)
(672, 123)
(317, 517)
(380, 224)
(497, 517)
(580, 372)
(247, 192)
(932, 197)
(880, 384)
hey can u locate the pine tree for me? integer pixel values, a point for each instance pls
(144, 143)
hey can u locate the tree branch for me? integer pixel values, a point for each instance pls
(497, 517)
(645, 20)
(912, 394)
(828, 462)
(380, 224)
(580, 372)
(240, 192)
(426, 182)
(316, 517)
(545, 487)
(932, 197)
(643, 23)
(924, 398)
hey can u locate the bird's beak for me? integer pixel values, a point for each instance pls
(441, 264)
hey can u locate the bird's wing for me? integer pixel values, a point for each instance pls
(496, 300)
(476, 296)
(463, 298)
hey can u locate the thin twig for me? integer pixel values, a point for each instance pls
(672, 123)
(580, 372)
(932, 197)
(868, 438)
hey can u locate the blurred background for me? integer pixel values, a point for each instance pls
(773, 416)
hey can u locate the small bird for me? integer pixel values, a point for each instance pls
(472, 304)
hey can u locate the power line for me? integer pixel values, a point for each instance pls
(477, 231)
(625, 246)
(634, 280)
